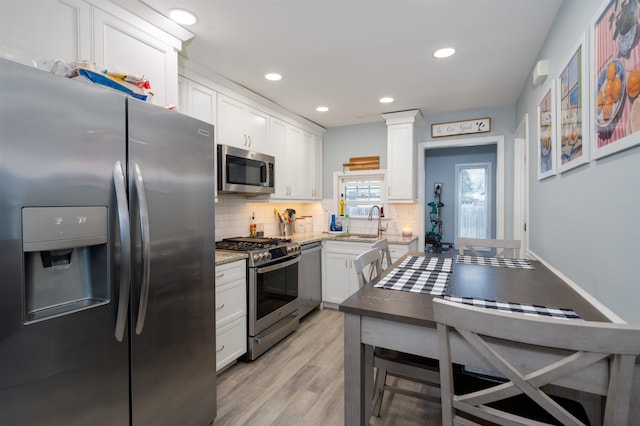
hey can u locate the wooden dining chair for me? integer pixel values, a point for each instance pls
(503, 248)
(367, 264)
(385, 256)
(597, 357)
(389, 362)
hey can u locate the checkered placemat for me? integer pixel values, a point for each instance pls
(523, 308)
(438, 264)
(413, 280)
(496, 261)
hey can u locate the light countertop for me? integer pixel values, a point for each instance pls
(226, 256)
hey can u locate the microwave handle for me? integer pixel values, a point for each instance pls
(264, 173)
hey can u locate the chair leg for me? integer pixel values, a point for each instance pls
(381, 378)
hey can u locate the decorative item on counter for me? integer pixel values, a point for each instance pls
(347, 223)
(300, 227)
(253, 230)
(407, 231)
(341, 209)
(259, 230)
(381, 210)
(434, 237)
(280, 217)
(335, 226)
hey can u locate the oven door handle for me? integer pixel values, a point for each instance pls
(278, 266)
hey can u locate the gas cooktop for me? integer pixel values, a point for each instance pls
(261, 250)
(250, 243)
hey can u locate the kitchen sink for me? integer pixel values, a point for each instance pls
(346, 236)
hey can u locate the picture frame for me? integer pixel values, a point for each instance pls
(454, 128)
(546, 126)
(573, 111)
(615, 70)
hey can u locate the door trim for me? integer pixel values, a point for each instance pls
(497, 140)
(521, 184)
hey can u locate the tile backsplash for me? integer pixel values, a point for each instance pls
(235, 213)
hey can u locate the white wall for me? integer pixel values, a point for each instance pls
(585, 222)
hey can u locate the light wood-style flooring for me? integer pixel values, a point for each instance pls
(300, 382)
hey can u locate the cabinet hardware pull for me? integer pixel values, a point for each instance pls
(219, 276)
(220, 350)
(220, 307)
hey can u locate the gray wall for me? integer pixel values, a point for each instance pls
(341, 143)
(440, 167)
(586, 222)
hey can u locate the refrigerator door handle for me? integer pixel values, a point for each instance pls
(125, 249)
(143, 212)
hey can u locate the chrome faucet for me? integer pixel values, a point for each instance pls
(380, 227)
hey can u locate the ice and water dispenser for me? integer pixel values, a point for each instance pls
(65, 260)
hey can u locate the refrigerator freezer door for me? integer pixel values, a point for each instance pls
(171, 192)
(60, 361)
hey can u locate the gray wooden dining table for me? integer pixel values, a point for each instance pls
(403, 321)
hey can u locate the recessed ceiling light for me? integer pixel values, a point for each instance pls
(322, 109)
(183, 17)
(386, 100)
(273, 76)
(444, 52)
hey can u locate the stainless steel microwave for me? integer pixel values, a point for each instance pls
(241, 171)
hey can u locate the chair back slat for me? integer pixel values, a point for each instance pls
(369, 261)
(385, 256)
(578, 345)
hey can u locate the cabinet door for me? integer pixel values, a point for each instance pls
(337, 287)
(230, 126)
(123, 47)
(400, 163)
(256, 129)
(45, 30)
(305, 165)
(197, 101)
(277, 135)
(317, 168)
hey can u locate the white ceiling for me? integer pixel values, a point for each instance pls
(346, 54)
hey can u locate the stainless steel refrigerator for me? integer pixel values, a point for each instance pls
(107, 310)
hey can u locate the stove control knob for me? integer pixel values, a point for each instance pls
(267, 256)
(256, 257)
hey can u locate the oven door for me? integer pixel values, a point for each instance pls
(273, 293)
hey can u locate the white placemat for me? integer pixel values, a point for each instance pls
(416, 281)
(502, 262)
(439, 264)
(523, 308)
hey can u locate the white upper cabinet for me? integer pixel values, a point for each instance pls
(45, 30)
(122, 47)
(401, 156)
(298, 155)
(316, 192)
(96, 31)
(242, 126)
(197, 101)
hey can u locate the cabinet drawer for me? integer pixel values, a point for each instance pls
(231, 302)
(231, 342)
(230, 272)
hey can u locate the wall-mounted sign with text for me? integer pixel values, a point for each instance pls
(477, 125)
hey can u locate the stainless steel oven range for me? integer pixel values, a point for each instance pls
(272, 289)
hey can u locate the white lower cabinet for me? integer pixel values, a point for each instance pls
(340, 279)
(231, 313)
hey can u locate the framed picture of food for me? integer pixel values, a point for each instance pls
(615, 78)
(547, 133)
(573, 145)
